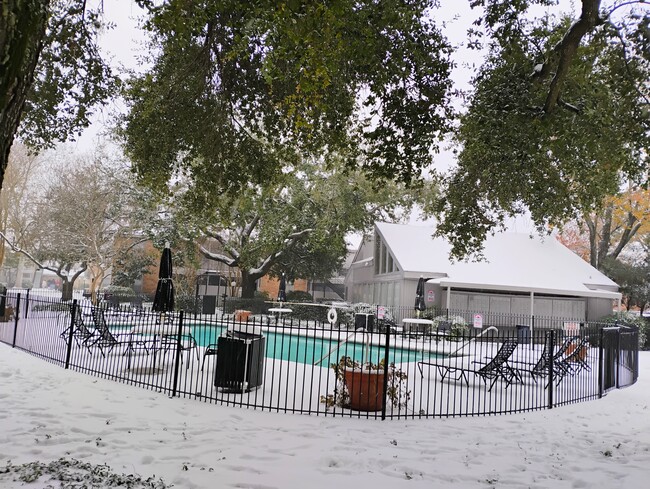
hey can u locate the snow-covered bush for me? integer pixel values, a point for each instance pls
(458, 325)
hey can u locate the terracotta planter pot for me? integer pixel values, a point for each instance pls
(242, 315)
(366, 388)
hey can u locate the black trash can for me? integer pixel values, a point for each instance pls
(240, 362)
(523, 334)
(364, 320)
(209, 304)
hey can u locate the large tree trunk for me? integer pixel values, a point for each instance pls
(605, 237)
(22, 28)
(592, 226)
(248, 284)
(96, 279)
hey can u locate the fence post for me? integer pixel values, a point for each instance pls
(601, 367)
(532, 330)
(73, 313)
(550, 368)
(27, 303)
(618, 357)
(385, 388)
(178, 353)
(16, 315)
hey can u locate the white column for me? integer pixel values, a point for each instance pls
(532, 314)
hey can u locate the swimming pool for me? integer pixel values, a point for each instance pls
(309, 349)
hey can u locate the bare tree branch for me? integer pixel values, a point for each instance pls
(231, 262)
(224, 242)
(567, 105)
(268, 262)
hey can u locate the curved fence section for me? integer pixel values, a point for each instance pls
(271, 361)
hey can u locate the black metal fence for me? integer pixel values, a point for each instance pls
(363, 364)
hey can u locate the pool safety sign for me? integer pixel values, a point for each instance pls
(430, 296)
(572, 327)
(381, 312)
(478, 321)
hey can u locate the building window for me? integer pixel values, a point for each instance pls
(377, 253)
(384, 262)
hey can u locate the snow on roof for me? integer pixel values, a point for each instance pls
(513, 261)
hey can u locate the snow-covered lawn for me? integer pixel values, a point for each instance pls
(48, 413)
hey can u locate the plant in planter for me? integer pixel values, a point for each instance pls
(459, 327)
(361, 386)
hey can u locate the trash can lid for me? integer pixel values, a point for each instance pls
(251, 329)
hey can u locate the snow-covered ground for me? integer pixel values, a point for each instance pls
(48, 413)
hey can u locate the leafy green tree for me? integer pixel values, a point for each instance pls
(51, 71)
(129, 265)
(239, 89)
(558, 113)
(295, 224)
(633, 279)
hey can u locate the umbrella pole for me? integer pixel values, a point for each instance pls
(156, 347)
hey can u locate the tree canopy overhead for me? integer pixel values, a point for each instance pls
(238, 90)
(558, 116)
(52, 74)
(241, 88)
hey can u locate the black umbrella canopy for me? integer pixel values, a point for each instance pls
(419, 295)
(164, 299)
(282, 291)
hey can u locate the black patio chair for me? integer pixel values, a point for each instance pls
(549, 360)
(574, 359)
(497, 368)
(106, 339)
(444, 328)
(169, 342)
(80, 332)
(210, 350)
(561, 362)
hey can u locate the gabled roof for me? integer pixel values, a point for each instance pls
(513, 261)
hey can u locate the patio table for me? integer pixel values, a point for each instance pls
(157, 331)
(279, 311)
(409, 322)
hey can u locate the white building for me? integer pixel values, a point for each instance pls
(521, 275)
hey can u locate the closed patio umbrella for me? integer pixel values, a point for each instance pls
(164, 299)
(282, 291)
(419, 296)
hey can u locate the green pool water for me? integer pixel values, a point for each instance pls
(308, 350)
